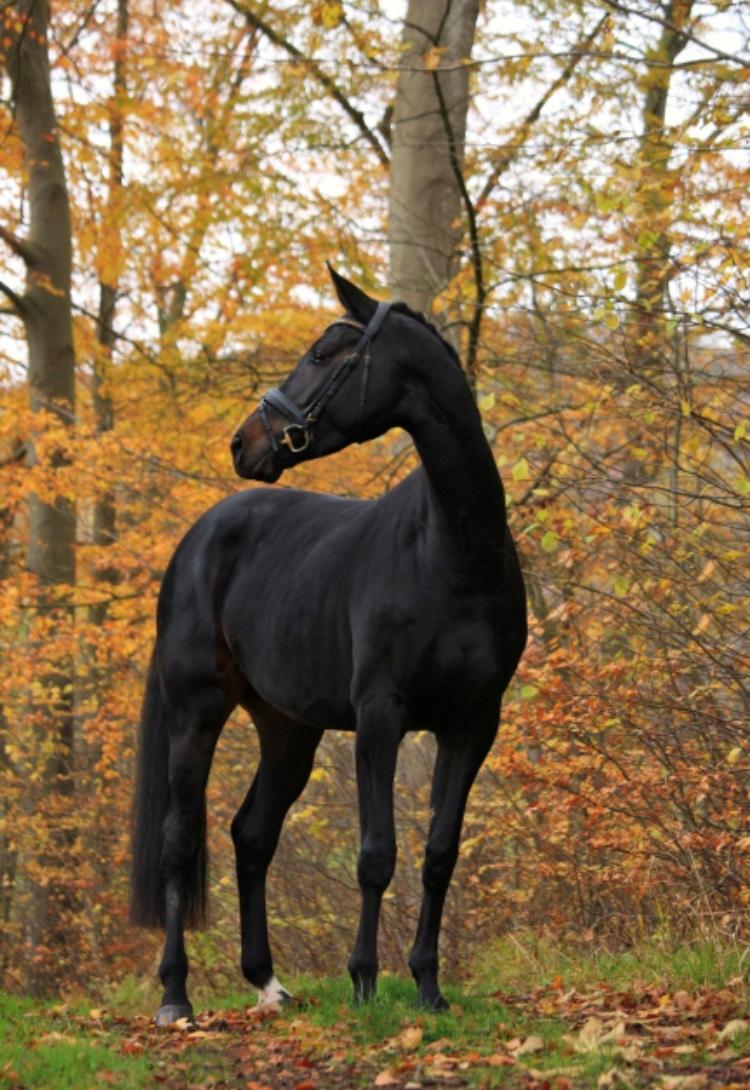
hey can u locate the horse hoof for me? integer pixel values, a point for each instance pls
(435, 1004)
(174, 1012)
(273, 994)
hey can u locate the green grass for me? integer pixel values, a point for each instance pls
(525, 960)
(40, 1048)
(59, 1048)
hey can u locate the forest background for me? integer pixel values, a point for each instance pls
(564, 187)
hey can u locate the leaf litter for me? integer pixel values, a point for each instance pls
(610, 1039)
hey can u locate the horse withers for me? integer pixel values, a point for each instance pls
(319, 613)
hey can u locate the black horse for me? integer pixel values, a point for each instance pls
(316, 612)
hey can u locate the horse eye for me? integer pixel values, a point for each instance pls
(316, 356)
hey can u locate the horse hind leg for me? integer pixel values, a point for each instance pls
(381, 725)
(287, 751)
(456, 767)
(196, 719)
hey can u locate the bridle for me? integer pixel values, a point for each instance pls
(299, 433)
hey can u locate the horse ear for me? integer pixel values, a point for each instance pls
(352, 298)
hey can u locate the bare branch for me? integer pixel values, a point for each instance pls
(18, 306)
(577, 55)
(668, 24)
(19, 246)
(480, 289)
(333, 89)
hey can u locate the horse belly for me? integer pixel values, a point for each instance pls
(303, 670)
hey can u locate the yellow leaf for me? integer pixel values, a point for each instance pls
(621, 279)
(620, 585)
(331, 14)
(487, 402)
(521, 471)
(733, 756)
(549, 541)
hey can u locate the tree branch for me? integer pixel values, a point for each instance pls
(480, 289)
(331, 87)
(18, 303)
(577, 55)
(19, 246)
(19, 452)
(669, 24)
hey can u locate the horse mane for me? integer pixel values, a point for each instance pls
(402, 308)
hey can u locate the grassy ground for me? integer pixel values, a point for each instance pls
(532, 1018)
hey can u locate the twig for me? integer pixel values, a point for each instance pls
(531, 118)
(18, 303)
(330, 85)
(480, 289)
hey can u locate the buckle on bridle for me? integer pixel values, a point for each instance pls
(288, 440)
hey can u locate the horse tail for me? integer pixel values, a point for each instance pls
(150, 805)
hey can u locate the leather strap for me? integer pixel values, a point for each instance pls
(303, 420)
(283, 404)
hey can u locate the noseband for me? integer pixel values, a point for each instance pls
(299, 433)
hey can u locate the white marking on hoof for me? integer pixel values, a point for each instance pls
(273, 994)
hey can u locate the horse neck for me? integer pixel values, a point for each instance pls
(464, 492)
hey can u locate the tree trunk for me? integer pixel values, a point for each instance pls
(657, 189)
(428, 138)
(46, 312)
(104, 516)
(428, 133)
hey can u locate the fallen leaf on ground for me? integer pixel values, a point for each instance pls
(594, 1034)
(411, 1037)
(386, 1078)
(531, 1044)
(734, 1029)
(498, 1059)
(614, 1077)
(684, 1082)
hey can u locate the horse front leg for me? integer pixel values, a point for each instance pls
(456, 766)
(380, 728)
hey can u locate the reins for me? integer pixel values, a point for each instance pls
(299, 433)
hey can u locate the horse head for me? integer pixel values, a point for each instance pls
(347, 387)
